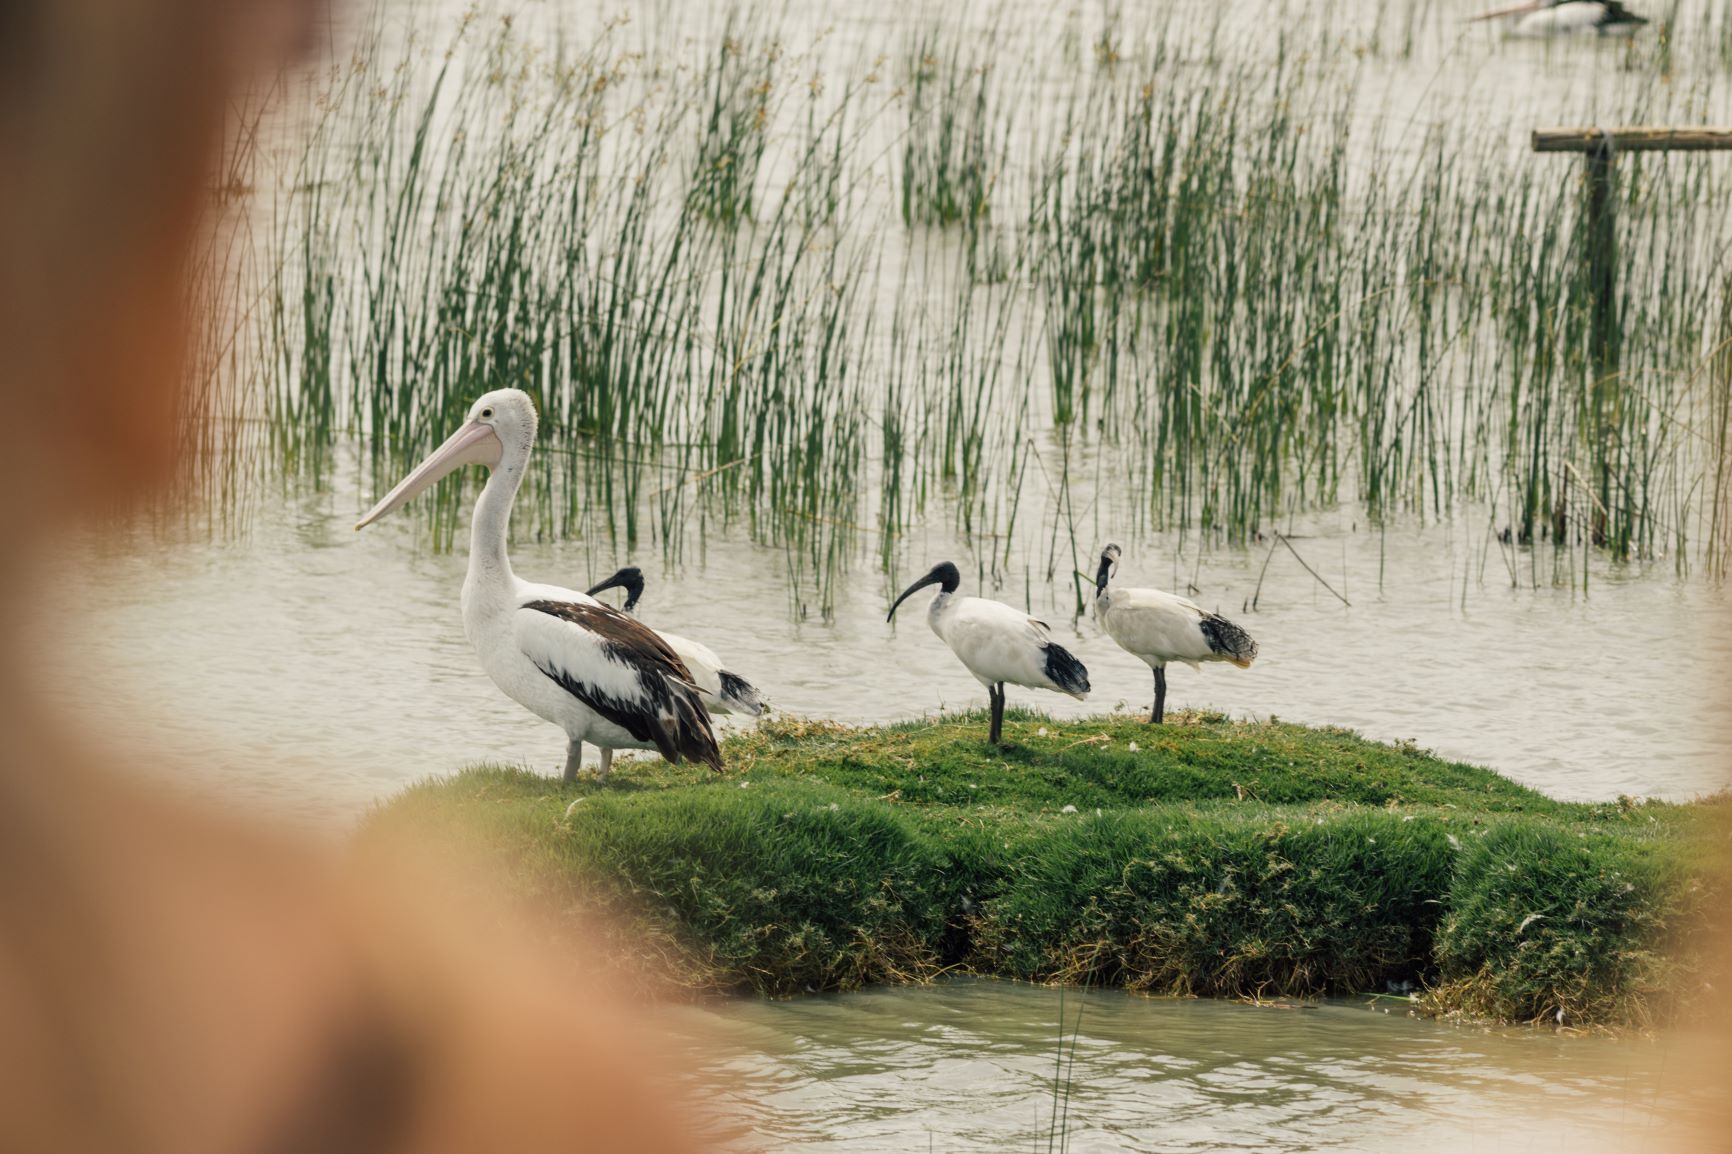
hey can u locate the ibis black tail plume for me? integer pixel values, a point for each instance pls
(741, 695)
(1228, 641)
(1069, 674)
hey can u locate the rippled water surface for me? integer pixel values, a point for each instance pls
(315, 669)
(970, 1066)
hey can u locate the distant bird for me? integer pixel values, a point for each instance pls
(597, 673)
(1537, 19)
(998, 644)
(722, 691)
(1160, 627)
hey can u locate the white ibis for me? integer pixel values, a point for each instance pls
(1160, 627)
(722, 691)
(1537, 19)
(999, 645)
(597, 673)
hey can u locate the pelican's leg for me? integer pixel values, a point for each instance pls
(996, 693)
(606, 764)
(1160, 709)
(573, 758)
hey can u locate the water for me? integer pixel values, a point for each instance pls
(970, 1065)
(309, 669)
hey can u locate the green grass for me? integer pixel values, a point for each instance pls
(1577, 926)
(1217, 858)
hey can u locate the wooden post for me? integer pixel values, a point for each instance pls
(1601, 235)
(1599, 148)
(1604, 340)
(1632, 139)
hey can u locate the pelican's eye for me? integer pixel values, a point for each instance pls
(486, 414)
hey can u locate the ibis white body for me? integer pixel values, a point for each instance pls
(1161, 628)
(1573, 18)
(721, 690)
(998, 644)
(1543, 19)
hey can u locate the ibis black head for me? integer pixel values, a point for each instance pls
(1619, 16)
(630, 579)
(1109, 560)
(943, 574)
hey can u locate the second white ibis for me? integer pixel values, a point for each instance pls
(999, 645)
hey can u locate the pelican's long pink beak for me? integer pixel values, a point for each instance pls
(473, 444)
(1512, 10)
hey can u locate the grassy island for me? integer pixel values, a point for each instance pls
(1204, 857)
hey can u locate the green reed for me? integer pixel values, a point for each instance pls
(954, 144)
(1180, 298)
(734, 127)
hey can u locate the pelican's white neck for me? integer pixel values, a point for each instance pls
(489, 563)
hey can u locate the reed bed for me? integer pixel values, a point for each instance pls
(830, 299)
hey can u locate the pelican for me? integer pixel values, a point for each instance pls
(1160, 627)
(597, 673)
(722, 691)
(1543, 18)
(998, 644)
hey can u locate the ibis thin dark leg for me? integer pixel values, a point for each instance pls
(996, 693)
(1160, 709)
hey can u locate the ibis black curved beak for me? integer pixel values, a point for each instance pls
(1513, 10)
(943, 573)
(929, 579)
(630, 579)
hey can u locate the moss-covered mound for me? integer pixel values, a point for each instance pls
(1205, 856)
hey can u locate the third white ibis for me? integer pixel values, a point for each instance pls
(1162, 627)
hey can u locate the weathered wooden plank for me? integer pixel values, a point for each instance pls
(1636, 139)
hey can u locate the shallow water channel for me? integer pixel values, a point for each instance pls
(970, 1066)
